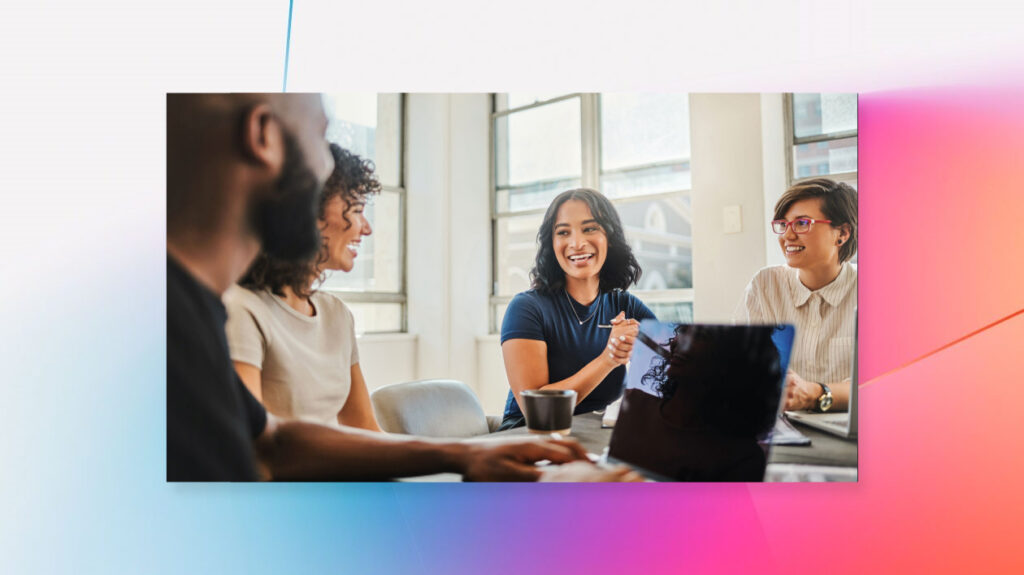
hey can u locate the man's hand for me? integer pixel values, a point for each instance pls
(585, 472)
(516, 461)
(800, 393)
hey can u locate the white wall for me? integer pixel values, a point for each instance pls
(725, 152)
(428, 243)
(470, 233)
(448, 230)
(738, 155)
(387, 358)
(773, 154)
(491, 374)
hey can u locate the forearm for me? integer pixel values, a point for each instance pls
(810, 395)
(368, 423)
(840, 395)
(359, 416)
(587, 379)
(358, 411)
(305, 451)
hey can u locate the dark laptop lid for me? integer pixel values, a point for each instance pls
(699, 398)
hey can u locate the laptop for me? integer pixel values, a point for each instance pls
(700, 400)
(841, 424)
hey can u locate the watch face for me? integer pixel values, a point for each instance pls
(826, 402)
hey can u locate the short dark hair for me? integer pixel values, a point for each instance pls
(620, 269)
(838, 203)
(353, 179)
(734, 383)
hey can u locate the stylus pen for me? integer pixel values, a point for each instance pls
(606, 326)
(646, 339)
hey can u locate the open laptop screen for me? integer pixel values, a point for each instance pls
(699, 398)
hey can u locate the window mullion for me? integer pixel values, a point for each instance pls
(590, 132)
(787, 114)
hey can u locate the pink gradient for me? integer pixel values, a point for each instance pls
(940, 471)
(941, 181)
(941, 204)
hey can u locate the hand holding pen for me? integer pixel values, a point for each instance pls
(620, 341)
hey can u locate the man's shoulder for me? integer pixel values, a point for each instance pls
(188, 302)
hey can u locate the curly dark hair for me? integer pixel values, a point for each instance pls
(353, 179)
(620, 269)
(730, 377)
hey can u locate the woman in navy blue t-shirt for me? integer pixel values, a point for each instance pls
(552, 335)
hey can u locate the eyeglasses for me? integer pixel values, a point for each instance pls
(800, 225)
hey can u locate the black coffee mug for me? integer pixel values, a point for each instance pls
(548, 410)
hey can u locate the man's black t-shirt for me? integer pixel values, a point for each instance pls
(212, 418)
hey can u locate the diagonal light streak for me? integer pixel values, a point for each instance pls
(935, 351)
(287, 47)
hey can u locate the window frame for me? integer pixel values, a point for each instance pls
(590, 177)
(792, 141)
(358, 296)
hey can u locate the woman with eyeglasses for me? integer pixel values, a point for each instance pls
(575, 328)
(816, 221)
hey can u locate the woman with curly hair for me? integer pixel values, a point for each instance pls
(574, 329)
(294, 347)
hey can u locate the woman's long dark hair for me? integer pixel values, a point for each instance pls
(352, 179)
(620, 269)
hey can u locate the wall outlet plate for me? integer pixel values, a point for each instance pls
(732, 220)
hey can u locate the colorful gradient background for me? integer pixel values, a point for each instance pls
(82, 303)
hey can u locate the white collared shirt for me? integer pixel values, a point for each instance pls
(825, 318)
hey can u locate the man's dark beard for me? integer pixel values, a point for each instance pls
(285, 218)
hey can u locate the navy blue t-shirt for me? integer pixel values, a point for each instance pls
(547, 317)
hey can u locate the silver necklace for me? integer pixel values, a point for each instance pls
(573, 308)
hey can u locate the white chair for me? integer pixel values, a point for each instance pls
(432, 408)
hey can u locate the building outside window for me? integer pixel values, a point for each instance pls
(822, 131)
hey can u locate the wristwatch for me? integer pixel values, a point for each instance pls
(824, 402)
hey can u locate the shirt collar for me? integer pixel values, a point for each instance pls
(833, 293)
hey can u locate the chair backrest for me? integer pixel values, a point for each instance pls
(431, 408)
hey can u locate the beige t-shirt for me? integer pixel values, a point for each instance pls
(306, 362)
(825, 318)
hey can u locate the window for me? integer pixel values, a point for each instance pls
(634, 148)
(823, 136)
(370, 125)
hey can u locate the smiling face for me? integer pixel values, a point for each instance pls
(579, 242)
(817, 248)
(342, 237)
